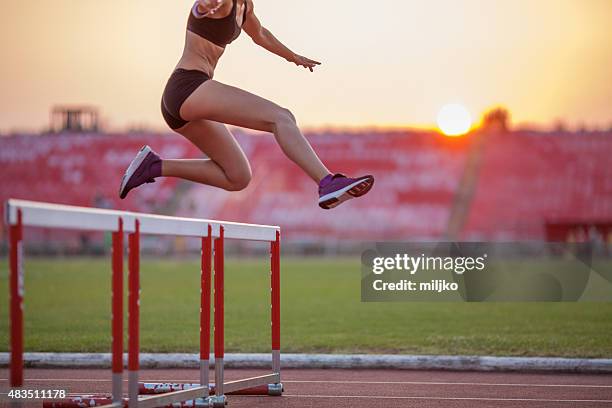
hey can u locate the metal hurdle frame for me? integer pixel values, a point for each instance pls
(213, 233)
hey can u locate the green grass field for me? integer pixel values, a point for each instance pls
(68, 309)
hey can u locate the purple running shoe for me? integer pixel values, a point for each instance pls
(337, 188)
(143, 169)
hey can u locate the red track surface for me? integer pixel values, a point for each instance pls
(367, 388)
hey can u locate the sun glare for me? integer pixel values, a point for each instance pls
(454, 120)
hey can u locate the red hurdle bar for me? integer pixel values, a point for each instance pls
(205, 282)
(275, 300)
(219, 398)
(117, 313)
(133, 313)
(16, 302)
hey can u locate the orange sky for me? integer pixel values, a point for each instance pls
(389, 62)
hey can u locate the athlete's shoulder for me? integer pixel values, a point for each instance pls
(250, 6)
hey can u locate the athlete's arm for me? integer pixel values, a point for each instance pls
(265, 39)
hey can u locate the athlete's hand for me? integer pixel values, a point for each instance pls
(301, 61)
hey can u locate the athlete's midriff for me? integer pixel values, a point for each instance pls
(200, 54)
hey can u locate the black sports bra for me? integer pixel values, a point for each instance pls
(219, 31)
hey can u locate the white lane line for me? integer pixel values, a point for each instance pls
(374, 397)
(93, 380)
(451, 383)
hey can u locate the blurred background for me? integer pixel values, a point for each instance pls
(481, 121)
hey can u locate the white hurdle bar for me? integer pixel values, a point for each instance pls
(22, 213)
(37, 214)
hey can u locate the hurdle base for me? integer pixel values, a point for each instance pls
(275, 390)
(163, 388)
(85, 401)
(106, 402)
(250, 386)
(218, 401)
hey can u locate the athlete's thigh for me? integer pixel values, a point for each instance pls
(216, 141)
(227, 104)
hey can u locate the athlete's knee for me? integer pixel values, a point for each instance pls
(291, 116)
(284, 117)
(240, 179)
(239, 184)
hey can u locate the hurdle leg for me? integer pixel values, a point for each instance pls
(133, 314)
(219, 398)
(117, 313)
(16, 292)
(277, 388)
(205, 282)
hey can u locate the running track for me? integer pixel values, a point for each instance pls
(367, 388)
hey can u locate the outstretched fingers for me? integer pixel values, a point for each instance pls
(306, 62)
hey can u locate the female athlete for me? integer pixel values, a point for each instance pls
(198, 107)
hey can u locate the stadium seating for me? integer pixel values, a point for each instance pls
(526, 180)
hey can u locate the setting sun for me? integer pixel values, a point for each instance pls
(454, 120)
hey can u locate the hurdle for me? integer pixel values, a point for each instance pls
(213, 234)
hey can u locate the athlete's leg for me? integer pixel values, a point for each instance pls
(227, 104)
(227, 167)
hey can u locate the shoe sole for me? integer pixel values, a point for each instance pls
(354, 190)
(136, 162)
